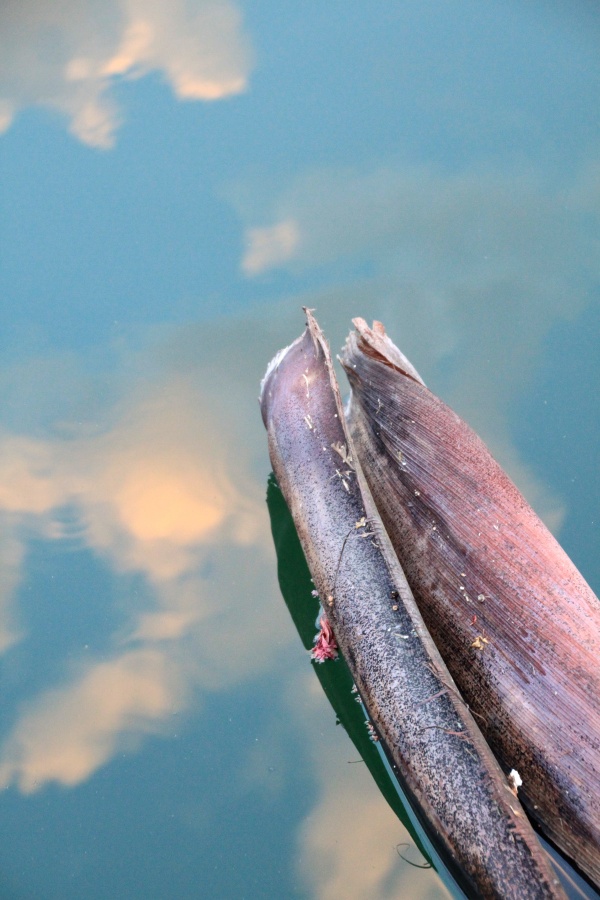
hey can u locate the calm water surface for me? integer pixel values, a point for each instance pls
(176, 180)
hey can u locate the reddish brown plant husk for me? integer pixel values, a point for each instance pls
(515, 622)
(433, 744)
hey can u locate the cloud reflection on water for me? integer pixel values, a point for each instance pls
(163, 491)
(66, 57)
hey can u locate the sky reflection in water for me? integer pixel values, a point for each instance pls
(178, 179)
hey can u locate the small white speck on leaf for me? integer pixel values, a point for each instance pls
(515, 781)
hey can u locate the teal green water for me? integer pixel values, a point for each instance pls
(176, 181)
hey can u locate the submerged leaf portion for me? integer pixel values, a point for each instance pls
(515, 622)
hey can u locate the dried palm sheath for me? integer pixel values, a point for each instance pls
(435, 747)
(514, 620)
